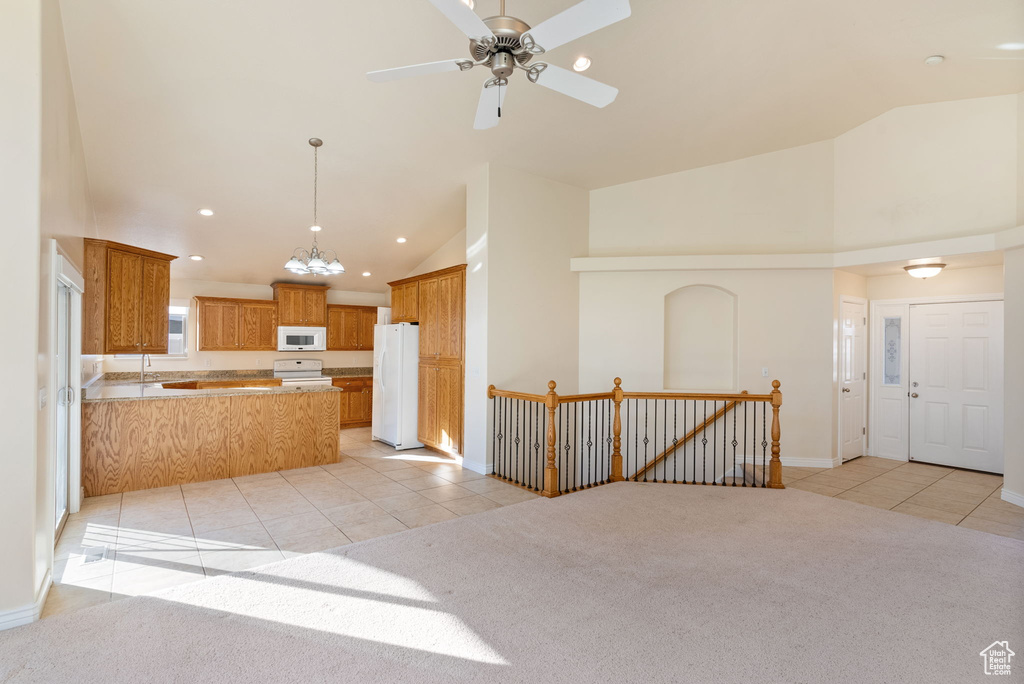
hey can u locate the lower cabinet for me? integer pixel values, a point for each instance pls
(440, 404)
(356, 401)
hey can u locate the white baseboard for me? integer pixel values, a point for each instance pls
(1012, 497)
(795, 462)
(30, 613)
(481, 468)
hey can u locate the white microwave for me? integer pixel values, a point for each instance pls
(292, 338)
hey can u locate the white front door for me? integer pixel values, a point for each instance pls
(956, 385)
(852, 378)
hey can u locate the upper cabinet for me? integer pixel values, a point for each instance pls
(350, 328)
(405, 302)
(127, 292)
(302, 305)
(236, 324)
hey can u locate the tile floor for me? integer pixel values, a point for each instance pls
(958, 497)
(139, 542)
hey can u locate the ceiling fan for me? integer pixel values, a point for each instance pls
(504, 44)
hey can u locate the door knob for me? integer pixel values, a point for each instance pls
(914, 395)
(846, 389)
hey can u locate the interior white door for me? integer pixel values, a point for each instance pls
(956, 385)
(65, 400)
(852, 378)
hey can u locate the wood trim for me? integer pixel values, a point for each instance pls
(295, 286)
(432, 274)
(107, 244)
(235, 299)
(499, 478)
(681, 443)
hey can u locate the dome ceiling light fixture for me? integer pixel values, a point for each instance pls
(924, 270)
(314, 261)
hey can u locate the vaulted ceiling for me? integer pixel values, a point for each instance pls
(209, 103)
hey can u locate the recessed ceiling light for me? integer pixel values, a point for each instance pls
(400, 241)
(934, 60)
(1011, 46)
(195, 257)
(581, 64)
(205, 212)
(366, 274)
(315, 229)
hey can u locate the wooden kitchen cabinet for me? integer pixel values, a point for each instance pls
(356, 401)
(440, 406)
(405, 303)
(217, 324)
(350, 328)
(236, 324)
(127, 293)
(301, 305)
(257, 325)
(440, 311)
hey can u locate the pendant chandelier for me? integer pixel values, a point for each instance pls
(314, 260)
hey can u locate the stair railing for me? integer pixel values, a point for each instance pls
(556, 445)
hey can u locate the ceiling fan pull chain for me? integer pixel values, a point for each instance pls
(499, 86)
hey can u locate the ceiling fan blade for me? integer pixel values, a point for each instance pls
(572, 84)
(576, 22)
(487, 109)
(466, 19)
(385, 75)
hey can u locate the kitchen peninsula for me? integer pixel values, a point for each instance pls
(144, 435)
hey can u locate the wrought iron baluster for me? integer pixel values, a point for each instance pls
(497, 465)
(675, 438)
(494, 430)
(647, 415)
(735, 410)
(704, 444)
(764, 444)
(745, 422)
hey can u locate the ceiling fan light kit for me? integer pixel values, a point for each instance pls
(504, 44)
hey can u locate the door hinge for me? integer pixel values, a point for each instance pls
(865, 320)
(863, 431)
(864, 375)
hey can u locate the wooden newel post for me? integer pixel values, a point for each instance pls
(617, 432)
(775, 467)
(551, 470)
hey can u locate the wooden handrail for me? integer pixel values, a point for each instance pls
(492, 392)
(572, 398)
(742, 396)
(686, 438)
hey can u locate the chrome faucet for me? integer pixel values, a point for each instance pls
(147, 362)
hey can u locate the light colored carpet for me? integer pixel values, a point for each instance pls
(626, 582)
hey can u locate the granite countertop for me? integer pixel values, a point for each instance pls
(126, 386)
(154, 390)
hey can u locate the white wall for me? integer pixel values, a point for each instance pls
(927, 172)
(522, 310)
(912, 174)
(477, 417)
(1013, 432)
(775, 202)
(957, 281)
(782, 324)
(451, 253)
(182, 292)
(535, 226)
(20, 140)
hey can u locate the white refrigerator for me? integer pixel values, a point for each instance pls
(396, 354)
